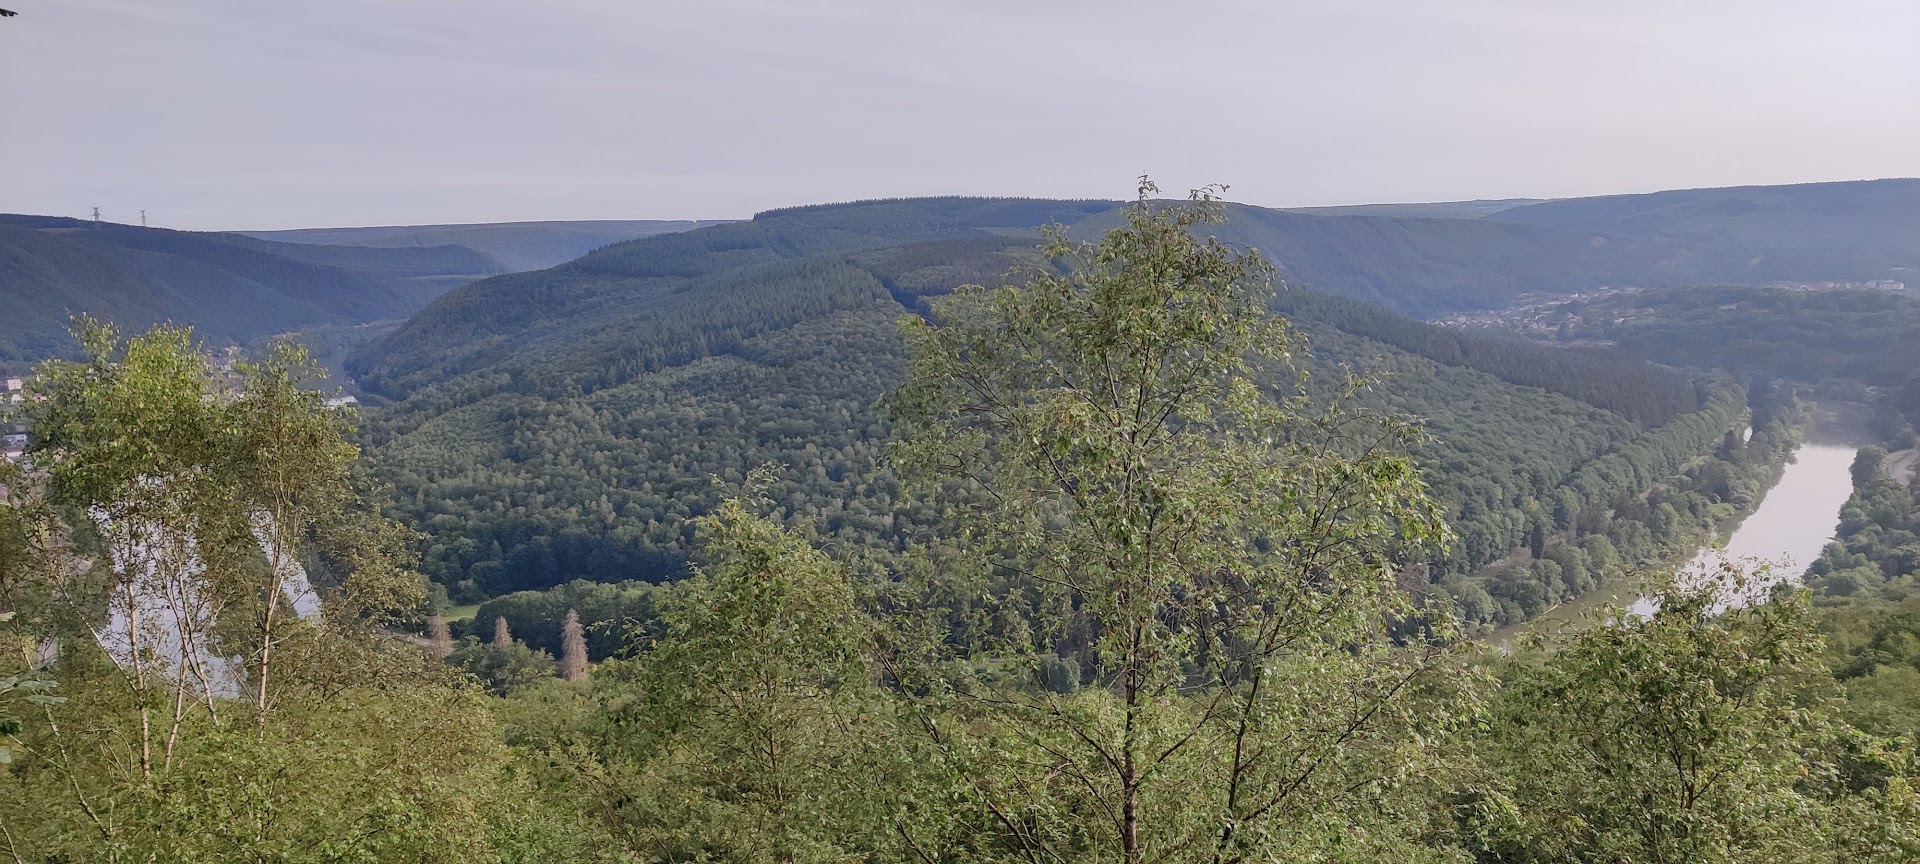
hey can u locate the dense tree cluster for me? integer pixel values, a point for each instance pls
(584, 459)
(1167, 615)
(160, 565)
(1697, 734)
(1044, 689)
(607, 612)
(1862, 344)
(1656, 498)
(1877, 547)
(1648, 395)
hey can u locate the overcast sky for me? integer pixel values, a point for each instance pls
(292, 113)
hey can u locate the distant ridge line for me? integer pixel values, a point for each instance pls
(508, 224)
(867, 202)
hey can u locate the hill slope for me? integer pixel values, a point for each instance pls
(563, 424)
(1420, 266)
(518, 245)
(1856, 230)
(597, 320)
(232, 288)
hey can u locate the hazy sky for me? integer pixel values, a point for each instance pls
(288, 113)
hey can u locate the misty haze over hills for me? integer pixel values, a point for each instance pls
(1419, 259)
(518, 245)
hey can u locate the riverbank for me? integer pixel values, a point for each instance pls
(1787, 527)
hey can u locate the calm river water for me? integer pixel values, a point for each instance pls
(1793, 523)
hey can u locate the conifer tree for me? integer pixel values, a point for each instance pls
(439, 639)
(573, 648)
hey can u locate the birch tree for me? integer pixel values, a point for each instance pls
(1141, 486)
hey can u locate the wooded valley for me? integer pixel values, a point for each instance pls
(788, 540)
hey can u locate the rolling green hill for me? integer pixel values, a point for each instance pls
(577, 316)
(564, 424)
(518, 245)
(1421, 266)
(1430, 266)
(232, 288)
(598, 320)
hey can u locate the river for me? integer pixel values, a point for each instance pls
(1792, 524)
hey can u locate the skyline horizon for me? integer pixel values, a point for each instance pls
(211, 114)
(106, 218)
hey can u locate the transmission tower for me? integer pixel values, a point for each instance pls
(96, 215)
(143, 218)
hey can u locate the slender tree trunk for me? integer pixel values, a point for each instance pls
(139, 677)
(1238, 772)
(186, 621)
(179, 681)
(1130, 769)
(276, 560)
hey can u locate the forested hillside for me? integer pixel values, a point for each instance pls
(1855, 217)
(1429, 266)
(1162, 608)
(566, 424)
(1420, 266)
(231, 288)
(1850, 231)
(1861, 344)
(593, 321)
(517, 245)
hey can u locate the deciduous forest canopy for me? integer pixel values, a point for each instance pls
(972, 530)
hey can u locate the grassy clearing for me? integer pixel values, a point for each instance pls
(462, 612)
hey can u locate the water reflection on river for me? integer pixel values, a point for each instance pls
(1793, 523)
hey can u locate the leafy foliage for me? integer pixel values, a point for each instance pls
(1877, 547)
(1220, 562)
(224, 726)
(1694, 735)
(1155, 597)
(579, 447)
(748, 728)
